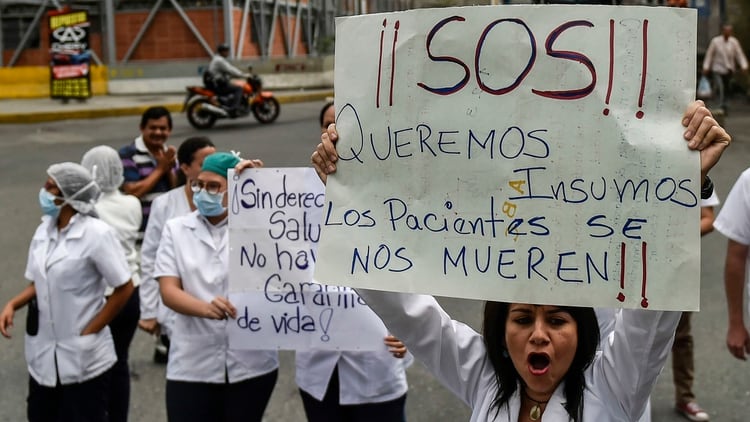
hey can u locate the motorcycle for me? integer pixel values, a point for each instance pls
(204, 106)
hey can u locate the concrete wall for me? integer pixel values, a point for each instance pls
(169, 77)
(33, 81)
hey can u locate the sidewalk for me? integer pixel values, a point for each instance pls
(46, 109)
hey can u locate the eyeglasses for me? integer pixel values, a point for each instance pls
(211, 187)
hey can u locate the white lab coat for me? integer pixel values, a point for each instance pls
(165, 207)
(123, 213)
(619, 381)
(199, 347)
(70, 270)
(607, 318)
(364, 377)
(733, 221)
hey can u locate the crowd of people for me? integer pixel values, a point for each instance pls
(138, 238)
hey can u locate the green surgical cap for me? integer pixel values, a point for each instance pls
(220, 162)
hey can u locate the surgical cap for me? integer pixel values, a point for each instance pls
(105, 166)
(77, 186)
(219, 163)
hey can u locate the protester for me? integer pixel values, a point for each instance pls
(149, 171)
(73, 258)
(349, 385)
(123, 213)
(207, 381)
(149, 163)
(157, 319)
(722, 57)
(733, 222)
(540, 360)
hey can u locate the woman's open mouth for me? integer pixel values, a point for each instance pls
(538, 363)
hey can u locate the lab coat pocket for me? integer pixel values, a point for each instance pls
(75, 353)
(34, 347)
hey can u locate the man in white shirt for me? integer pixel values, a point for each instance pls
(723, 55)
(733, 222)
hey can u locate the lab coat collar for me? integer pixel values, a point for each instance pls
(74, 230)
(554, 411)
(199, 225)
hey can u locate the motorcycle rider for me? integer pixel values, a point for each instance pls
(220, 73)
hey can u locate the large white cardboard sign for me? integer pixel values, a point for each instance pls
(516, 153)
(274, 228)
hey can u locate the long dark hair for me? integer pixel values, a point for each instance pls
(506, 376)
(186, 153)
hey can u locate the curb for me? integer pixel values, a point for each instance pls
(49, 116)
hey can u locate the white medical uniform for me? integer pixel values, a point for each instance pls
(619, 381)
(123, 213)
(199, 347)
(733, 220)
(364, 377)
(70, 270)
(165, 207)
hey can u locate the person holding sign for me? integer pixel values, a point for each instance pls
(156, 319)
(73, 258)
(539, 361)
(206, 381)
(354, 386)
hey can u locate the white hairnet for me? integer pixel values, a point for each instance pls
(77, 186)
(105, 166)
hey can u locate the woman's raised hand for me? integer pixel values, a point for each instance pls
(325, 156)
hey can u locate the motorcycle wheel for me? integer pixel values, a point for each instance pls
(198, 118)
(267, 110)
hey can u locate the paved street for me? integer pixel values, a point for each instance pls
(722, 383)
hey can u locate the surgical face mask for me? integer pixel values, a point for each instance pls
(47, 203)
(209, 205)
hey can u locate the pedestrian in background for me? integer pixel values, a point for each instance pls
(722, 57)
(73, 258)
(207, 381)
(149, 169)
(156, 318)
(123, 213)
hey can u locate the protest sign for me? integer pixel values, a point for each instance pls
(274, 228)
(516, 153)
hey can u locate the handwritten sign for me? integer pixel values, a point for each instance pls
(274, 227)
(516, 153)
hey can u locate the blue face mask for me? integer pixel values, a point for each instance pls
(47, 203)
(209, 205)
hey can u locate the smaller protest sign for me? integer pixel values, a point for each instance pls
(274, 228)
